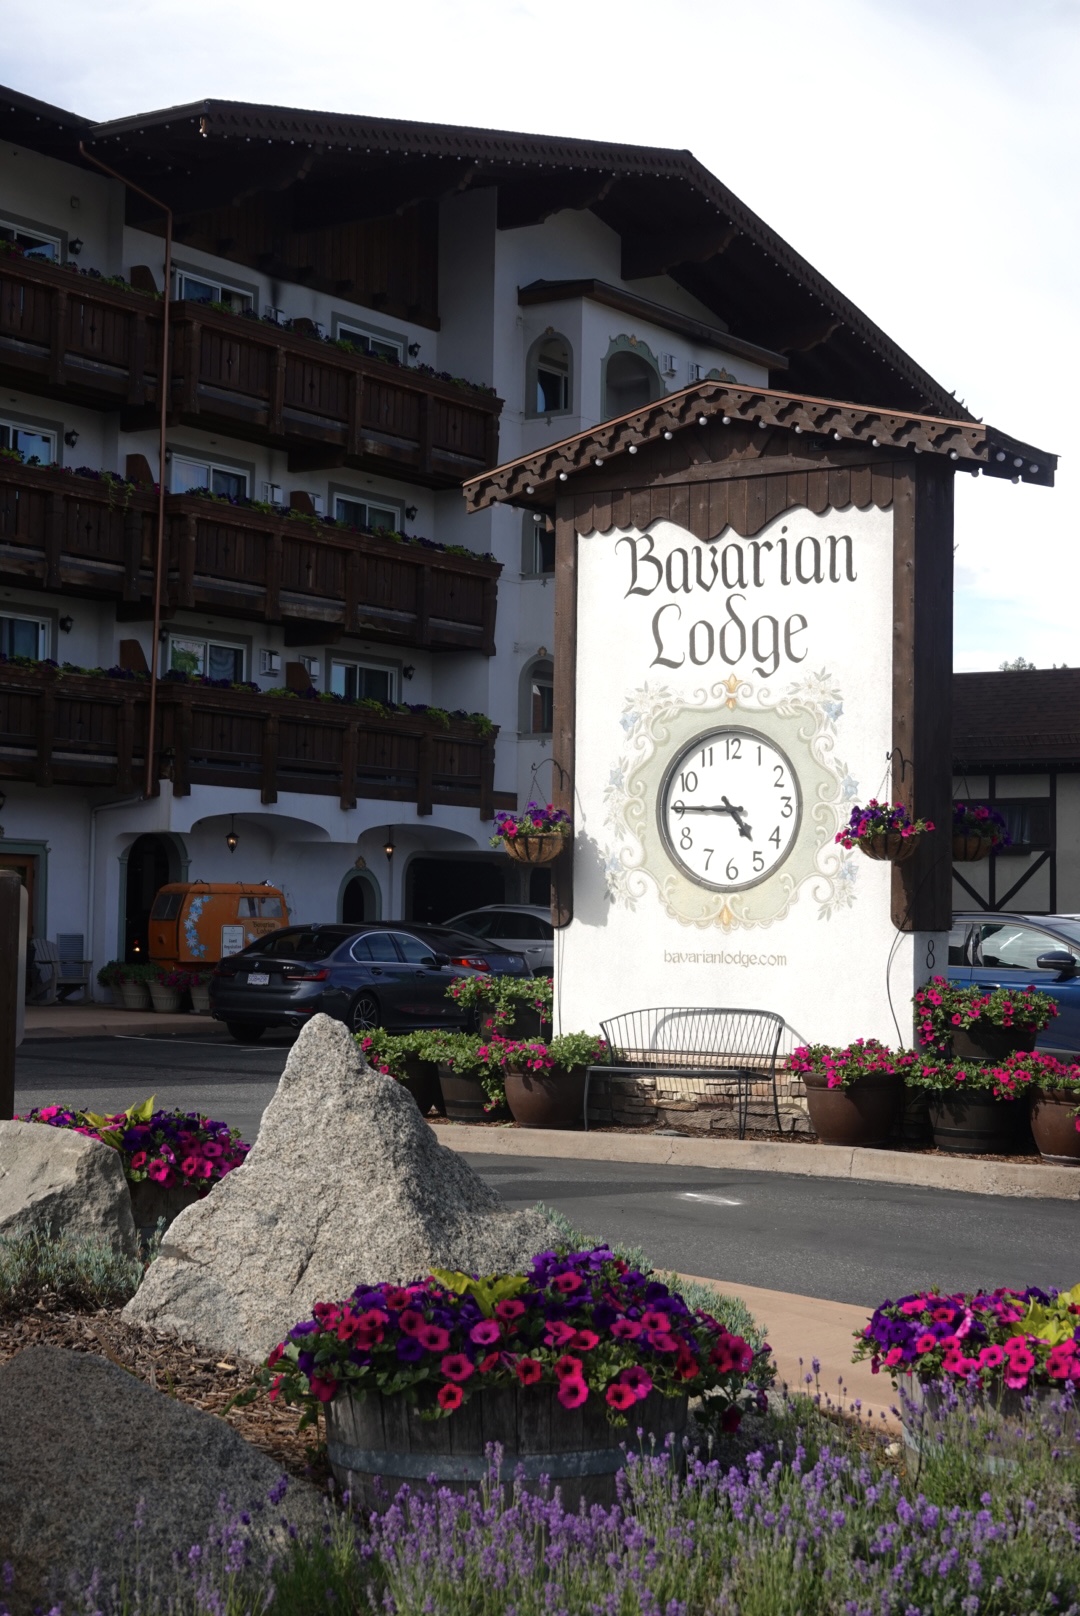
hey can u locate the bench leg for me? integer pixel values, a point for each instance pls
(776, 1106)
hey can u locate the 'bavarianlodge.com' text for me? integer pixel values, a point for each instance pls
(738, 958)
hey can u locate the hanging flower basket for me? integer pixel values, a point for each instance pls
(884, 831)
(536, 836)
(977, 832)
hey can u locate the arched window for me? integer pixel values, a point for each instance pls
(537, 546)
(538, 698)
(630, 382)
(548, 380)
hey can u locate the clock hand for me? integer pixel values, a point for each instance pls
(737, 815)
(706, 808)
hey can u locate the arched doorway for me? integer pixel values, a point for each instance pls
(630, 382)
(358, 901)
(151, 862)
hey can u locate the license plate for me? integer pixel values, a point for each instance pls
(258, 979)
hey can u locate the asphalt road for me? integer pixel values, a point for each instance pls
(845, 1241)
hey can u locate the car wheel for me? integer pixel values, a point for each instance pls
(364, 1013)
(245, 1032)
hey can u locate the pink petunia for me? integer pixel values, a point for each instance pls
(323, 1388)
(529, 1371)
(572, 1393)
(559, 1333)
(923, 1343)
(455, 1366)
(991, 1357)
(567, 1284)
(486, 1333)
(626, 1329)
(893, 1356)
(189, 1167)
(138, 1160)
(568, 1368)
(620, 1396)
(450, 1397)
(585, 1340)
(510, 1310)
(661, 1341)
(639, 1381)
(433, 1337)
(411, 1322)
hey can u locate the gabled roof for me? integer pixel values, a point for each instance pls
(1029, 719)
(39, 126)
(533, 479)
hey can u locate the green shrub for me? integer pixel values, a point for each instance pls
(69, 1271)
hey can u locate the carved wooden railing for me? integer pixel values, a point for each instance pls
(78, 729)
(65, 533)
(75, 337)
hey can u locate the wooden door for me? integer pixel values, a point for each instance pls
(25, 866)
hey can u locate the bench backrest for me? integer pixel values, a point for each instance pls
(695, 1036)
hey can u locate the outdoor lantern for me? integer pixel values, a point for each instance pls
(388, 845)
(232, 838)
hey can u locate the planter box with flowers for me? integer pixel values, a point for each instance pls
(854, 1095)
(199, 985)
(404, 1057)
(1054, 1090)
(536, 836)
(470, 1076)
(130, 983)
(975, 1023)
(883, 830)
(976, 1107)
(977, 831)
(170, 1158)
(167, 989)
(558, 1365)
(545, 1083)
(512, 1006)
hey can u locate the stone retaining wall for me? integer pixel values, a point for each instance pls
(694, 1105)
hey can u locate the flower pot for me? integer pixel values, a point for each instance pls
(541, 849)
(465, 1099)
(525, 1024)
(553, 1099)
(421, 1078)
(200, 998)
(915, 1119)
(371, 1437)
(1054, 1124)
(967, 848)
(134, 995)
(864, 1114)
(151, 1202)
(974, 1124)
(888, 845)
(984, 1041)
(165, 1000)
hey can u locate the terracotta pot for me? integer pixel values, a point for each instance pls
(134, 995)
(371, 1437)
(888, 845)
(465, 1099)
(975, 1124)
(165, 1000)
(983, 1041)
(421, 1078)
(554, 1099)
(1054, 1124)
(967, 848)
(864, 1114)
(542, 849)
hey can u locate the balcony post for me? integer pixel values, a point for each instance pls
(426, 453)
(182, 764)
(355, 429)
(269, 761)
(490, 605)
(423, 607)
(58, 338)
(352, 588)
(424, 785)
(272, 596)
(46, 735)
(133, 550)
(189, 392)
(136, 394)
(350, 752)
(275, 420)
(54, 538)
(487, 778)
(185, 583)
(125, 746)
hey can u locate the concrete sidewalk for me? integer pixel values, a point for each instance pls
(49, 1021)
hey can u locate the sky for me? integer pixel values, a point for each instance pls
(921, 154)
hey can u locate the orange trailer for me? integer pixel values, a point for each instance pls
(197, 923)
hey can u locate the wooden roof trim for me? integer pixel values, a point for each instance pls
(533, 478)
(614, 297)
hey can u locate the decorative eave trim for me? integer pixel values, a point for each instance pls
(534, 479)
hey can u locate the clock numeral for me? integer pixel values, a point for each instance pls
(778, 770)
(759, 861)
(759, 757)
(787, 810)
(686, 841)
(706, 757)
(708, 851)
(732, 871)
(775, 837)
(733, 747)
(688, 781)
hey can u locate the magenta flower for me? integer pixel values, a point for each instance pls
(572, 1393)
(486, 1333)
(433, 1337)
(455, 1366)
(639, 1381)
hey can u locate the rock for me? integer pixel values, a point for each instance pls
(345, 1184)
(86, 1449)
(54, 1181)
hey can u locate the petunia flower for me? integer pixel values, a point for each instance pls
(572, 1393)
(455, 1366)
(529, 1371)
(450, 1397)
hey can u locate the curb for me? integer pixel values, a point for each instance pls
(150, 1023)
(967, 1176)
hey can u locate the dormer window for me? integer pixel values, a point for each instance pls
(548, 376)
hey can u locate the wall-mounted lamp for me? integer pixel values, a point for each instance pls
(411, 512)
(414, 349)
(66, 624)
(388, 845)
(71, 438)
(232, 838)
(407, 671)
(75, 246)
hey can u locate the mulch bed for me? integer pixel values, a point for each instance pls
(176, 1368)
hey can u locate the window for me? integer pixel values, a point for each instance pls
(368, 514)
(300, 945)
(1027, 820)
(33, 243)
(360, 681)
(35, 446)
(413, 951)
(24, 636)
(167, 905)
(211, 659)
(377, 344)
(538, 699)
(1011, 946)
(537, 548)
(377, 945)
(208, 289)
(630, 382)
(225, 481)
(256, 908)
(547, 376)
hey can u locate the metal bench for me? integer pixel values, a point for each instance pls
(704, 1047)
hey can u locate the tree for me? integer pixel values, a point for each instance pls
(1021, 665)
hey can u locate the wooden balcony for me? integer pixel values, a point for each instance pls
(63, 533)
(75, 729)
(73, 337)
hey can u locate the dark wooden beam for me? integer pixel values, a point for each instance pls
(227, 184)
(811, 334)
(344, 197)
(656, 253)
(531, 201)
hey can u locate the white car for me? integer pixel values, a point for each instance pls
(523, 927)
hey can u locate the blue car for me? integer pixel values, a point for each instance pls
(1019, 951)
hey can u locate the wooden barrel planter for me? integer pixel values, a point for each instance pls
(983, 1041)
(421, 1078)
(921, 1401)
(377, 1444)
(554, 1099)
(525, 1024)
(541, 849)
(465, 1099)
(151, 1202)
(975, 1124)
(888, 845)
(864, 1114)
(1053, 1122)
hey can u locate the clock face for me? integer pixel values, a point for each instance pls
(729, 808)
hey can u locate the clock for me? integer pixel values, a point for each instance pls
(729, 808)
